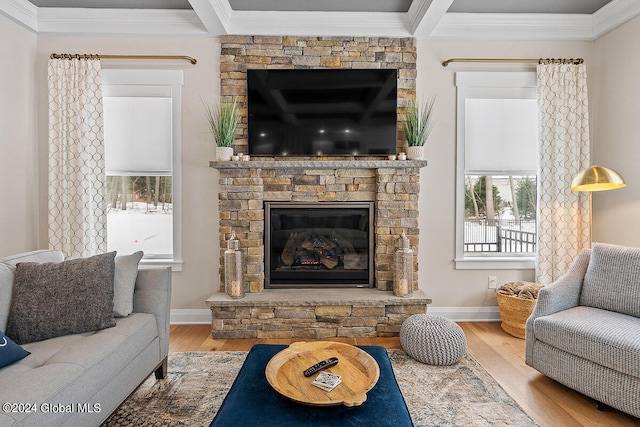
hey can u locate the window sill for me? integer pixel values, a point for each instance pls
(495, 263)
(176, 265)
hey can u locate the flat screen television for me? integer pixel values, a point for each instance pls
(322, 112)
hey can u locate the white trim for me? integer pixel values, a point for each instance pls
(119, 21)
(117, 82)
(214, 14)
(467, 314)
(503, 26)
(389, 24)
(613, 14)
(190, 316)
(469, 85)
(21, 11)
(495, 263)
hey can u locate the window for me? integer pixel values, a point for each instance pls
(142, 115)
(496, 173)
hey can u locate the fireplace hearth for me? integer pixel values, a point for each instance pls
(319, 245)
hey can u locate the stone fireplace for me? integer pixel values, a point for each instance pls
(389, 187)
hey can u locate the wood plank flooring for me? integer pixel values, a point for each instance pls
(546, 401)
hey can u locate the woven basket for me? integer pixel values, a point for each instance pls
(514, 313)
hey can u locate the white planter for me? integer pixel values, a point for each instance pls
(415, 152)
(224, 153)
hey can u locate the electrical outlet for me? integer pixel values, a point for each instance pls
(493, 282)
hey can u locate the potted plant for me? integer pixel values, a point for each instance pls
(417, 127)
(223, 123)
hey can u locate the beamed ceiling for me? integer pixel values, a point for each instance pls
(428, 19)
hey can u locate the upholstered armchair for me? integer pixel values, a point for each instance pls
(585, 329)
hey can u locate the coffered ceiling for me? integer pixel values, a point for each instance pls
(430, 19)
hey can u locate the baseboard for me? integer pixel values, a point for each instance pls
(190, 316)
(467, 314)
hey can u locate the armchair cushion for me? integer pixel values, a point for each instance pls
(604, 337)
(612, 279)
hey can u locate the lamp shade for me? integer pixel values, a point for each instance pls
(597, 178)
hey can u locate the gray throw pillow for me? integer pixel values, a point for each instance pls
(124, 283)
(55, 299)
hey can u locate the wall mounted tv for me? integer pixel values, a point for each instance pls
(322, 112)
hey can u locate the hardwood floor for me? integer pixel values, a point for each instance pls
(546, 401)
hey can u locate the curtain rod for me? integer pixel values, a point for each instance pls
(574, 61)
(88, 56)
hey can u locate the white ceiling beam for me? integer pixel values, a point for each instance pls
(119, 21)
(21, 11)
(425, 15)
(214, 15)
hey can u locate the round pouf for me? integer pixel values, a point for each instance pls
(432, 339)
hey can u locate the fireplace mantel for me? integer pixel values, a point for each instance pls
(318, 164)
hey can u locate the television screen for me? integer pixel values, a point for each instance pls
(322, 112)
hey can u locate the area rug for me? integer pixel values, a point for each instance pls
(463, 394)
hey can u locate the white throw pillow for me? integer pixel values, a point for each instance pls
(124, 283)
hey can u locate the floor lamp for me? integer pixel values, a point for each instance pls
(596, 178)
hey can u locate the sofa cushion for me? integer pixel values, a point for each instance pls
(7, 269)
(73, 368)
(10, 352)
(612, 280)
(604, 337)
(124, 282)
(55, 299)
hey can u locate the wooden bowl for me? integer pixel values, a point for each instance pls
(359, 372)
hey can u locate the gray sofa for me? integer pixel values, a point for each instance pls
(585, 329)
(80, 379)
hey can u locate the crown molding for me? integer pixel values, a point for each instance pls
(525, 26)
(613, 15)
(22, 12)
(385, 24)
(119, 21)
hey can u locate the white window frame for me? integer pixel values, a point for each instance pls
(150, 83)
(474, 85)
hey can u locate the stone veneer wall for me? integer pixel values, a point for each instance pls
(244, 186)
(240, 53)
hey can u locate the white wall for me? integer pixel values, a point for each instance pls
(616, 134)
(18, 139)
(438, 278)
(199, 277)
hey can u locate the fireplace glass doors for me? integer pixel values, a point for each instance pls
(321, 245)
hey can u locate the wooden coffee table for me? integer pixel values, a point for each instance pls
(359, 372)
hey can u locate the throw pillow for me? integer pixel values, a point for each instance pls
(124, 282)
(10, 352)
(55, 299)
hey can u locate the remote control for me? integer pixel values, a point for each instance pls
(327, 363)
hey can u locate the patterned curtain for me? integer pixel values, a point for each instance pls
(563, 221)
(77, 182)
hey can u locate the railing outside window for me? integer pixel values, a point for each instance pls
(501, 236)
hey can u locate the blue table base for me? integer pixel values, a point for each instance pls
(253, 402)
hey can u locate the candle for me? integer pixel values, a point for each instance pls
(235, 289)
